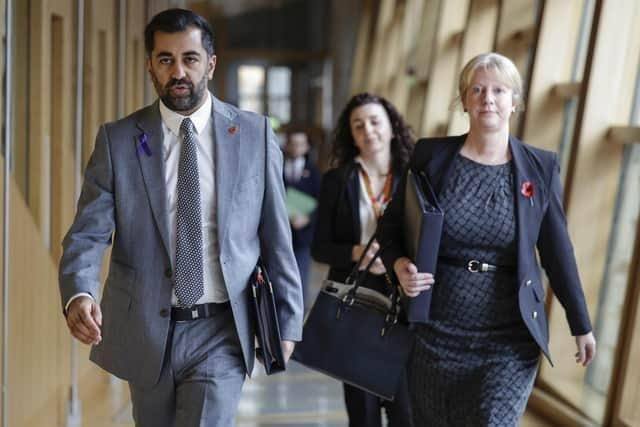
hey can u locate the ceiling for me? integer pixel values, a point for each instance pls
(238, 7)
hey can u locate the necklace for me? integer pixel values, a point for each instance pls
(379, 201)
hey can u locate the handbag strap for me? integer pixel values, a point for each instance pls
(392, 315)
(354, 274)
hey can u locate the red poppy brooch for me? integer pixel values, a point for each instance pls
(528, 190)
(233, 129)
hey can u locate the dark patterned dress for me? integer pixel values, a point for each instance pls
(475, 362)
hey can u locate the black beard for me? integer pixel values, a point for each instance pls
(182, 103)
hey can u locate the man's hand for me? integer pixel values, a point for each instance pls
(299, 221)
(411, 281)
(287, 349)
(84, 320)
(586, 348)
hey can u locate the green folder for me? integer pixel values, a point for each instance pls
(299, 203)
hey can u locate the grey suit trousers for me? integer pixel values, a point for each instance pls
(201, 379)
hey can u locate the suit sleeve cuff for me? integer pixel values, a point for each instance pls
(81, 294)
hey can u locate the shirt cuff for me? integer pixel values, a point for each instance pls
(81, 294)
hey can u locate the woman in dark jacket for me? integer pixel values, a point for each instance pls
(475, 361)
(371, 148)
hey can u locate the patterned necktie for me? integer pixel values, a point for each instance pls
(189, 281)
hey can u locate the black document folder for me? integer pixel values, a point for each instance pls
(423, 223)
(268, 351)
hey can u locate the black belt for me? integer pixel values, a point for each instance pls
(475, 266)
(198, 311)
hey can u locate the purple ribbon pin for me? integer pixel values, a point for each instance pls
(143, 145)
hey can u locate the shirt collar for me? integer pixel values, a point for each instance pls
(200, 117)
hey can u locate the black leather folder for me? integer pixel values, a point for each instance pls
(423, 223)
(268, 351)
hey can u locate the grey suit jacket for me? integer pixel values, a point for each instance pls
(124, 203)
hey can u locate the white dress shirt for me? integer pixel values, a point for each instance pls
(368, 219)
(214, 289)
(293, 168)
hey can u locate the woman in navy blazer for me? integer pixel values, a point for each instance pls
(371, 147)
(475, 360)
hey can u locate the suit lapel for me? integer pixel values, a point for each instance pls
(353, 195)
(227, 140)
(440, 161)
(152, 167)
(528, 209)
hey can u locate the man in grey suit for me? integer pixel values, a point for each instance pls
(189, 192)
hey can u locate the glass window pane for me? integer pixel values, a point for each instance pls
(577, 74)
(614, 283)
(591, 390)
(279, 93)
(251, 81)
(279, 81)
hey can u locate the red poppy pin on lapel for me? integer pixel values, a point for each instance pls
(528, 191)
(233, 129)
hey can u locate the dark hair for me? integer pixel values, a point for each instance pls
(293, 128)
(344, 149)
(175, 21)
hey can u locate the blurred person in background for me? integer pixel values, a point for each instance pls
(301, 174)
(371, 149)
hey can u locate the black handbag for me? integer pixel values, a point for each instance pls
(269, 350)
(352, 333)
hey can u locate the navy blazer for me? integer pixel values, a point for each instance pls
(541, 223)
(309, 183)
(338, 228)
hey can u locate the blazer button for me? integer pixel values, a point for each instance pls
(528, 283)
(165, 312)
(534, 314)
(168, 272)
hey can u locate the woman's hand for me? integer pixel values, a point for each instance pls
(411, 281)
(586, 348)
(377, 267)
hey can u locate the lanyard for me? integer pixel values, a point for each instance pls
(377, 202)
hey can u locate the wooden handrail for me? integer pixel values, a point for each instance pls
(624, 134)
(566, 90)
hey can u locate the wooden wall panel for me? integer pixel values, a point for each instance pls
(515, 39)
(444, 67)
(625, 410)
(38, 339)
(20, 102)
(62, 21)
(100, 69)
(39, 137)
(363, 47)
(594, 179)
(420, 63)
(135, 70)
(479, 35)
(378, 62)
(553, 63)
(516, 30)
(3, 33)
(409, 25)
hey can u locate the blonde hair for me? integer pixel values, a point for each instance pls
(499, 64)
